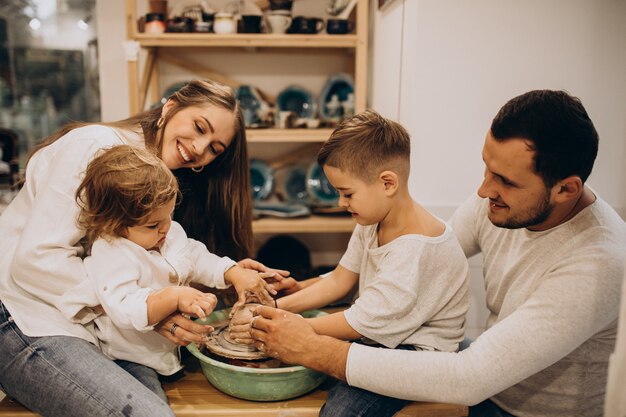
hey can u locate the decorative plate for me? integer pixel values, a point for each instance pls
(261, 179)
(340, 85)
(286, 210)
(295, 184)
(320, 189)
(169, 91)
(250, 102)
(298, 100)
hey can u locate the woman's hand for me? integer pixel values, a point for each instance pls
(182, 330)
(259, 267)
(280, 279)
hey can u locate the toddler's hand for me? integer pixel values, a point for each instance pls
(194, 302)
(250, 286)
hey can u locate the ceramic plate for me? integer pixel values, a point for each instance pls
(340, 85)
(297, 100)
(169, 91)
(285, 210)
(261, 178)
(295, 184)
(319, 188)
(250, 103)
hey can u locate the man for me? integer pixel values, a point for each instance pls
(553, 261)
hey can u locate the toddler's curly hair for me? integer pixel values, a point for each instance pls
(122, 186)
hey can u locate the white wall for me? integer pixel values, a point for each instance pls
(443, 69)
(459, 62)
(113, 77)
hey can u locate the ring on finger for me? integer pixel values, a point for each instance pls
(173, 328)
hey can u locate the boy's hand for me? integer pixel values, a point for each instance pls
(194, 302)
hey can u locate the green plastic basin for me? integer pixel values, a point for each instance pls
(273, 384)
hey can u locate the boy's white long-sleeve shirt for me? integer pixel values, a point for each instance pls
(40, 250)
(553, 298)
(122, 275)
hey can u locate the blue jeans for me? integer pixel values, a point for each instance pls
(67, 376)
(487, 409)
(346, 401)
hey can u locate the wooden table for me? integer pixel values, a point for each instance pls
(194, 396)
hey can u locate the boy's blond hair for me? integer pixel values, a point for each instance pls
(121, 188)
(367, 144)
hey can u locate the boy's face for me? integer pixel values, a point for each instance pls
(151, 234)
(364, 201)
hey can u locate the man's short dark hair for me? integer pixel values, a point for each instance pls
(562, 134)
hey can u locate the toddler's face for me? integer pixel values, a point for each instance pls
(151, 234)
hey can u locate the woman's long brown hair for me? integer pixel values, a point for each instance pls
(216, 204)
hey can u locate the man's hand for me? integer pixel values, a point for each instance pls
(291, 339)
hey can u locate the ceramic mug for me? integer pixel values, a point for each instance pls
(224, 23)
(307, 25)
(278, 22)
(251, 23)
(339, 26)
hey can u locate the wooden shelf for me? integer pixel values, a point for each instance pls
(287, 135)
(312, 224)
(265, 40)
(281, 146)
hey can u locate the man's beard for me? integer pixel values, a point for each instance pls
(531, 217)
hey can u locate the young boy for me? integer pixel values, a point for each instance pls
(411, 271)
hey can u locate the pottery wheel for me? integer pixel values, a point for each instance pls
(220, 343)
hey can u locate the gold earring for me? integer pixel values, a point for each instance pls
(159, 123)
(196, 169)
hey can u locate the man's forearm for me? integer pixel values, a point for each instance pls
(328, 355)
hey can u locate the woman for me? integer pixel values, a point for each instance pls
(52, 365)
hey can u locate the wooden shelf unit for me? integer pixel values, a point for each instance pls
(157, 47)
(311, 224)
(288, 135)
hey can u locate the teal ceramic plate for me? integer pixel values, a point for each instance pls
(256, 384)
(285, 210)
(261, 179)
(340, 85)
(320, 189)
(298, 100)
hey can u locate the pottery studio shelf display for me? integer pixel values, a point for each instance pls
(343, 93)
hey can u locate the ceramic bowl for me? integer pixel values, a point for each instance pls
(256, 384)
(320, 190)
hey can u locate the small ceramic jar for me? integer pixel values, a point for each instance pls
(224, 23)
(155, 23)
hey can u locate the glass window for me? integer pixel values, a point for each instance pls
(48, 73)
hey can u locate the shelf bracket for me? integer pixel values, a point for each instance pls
(131, 50)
